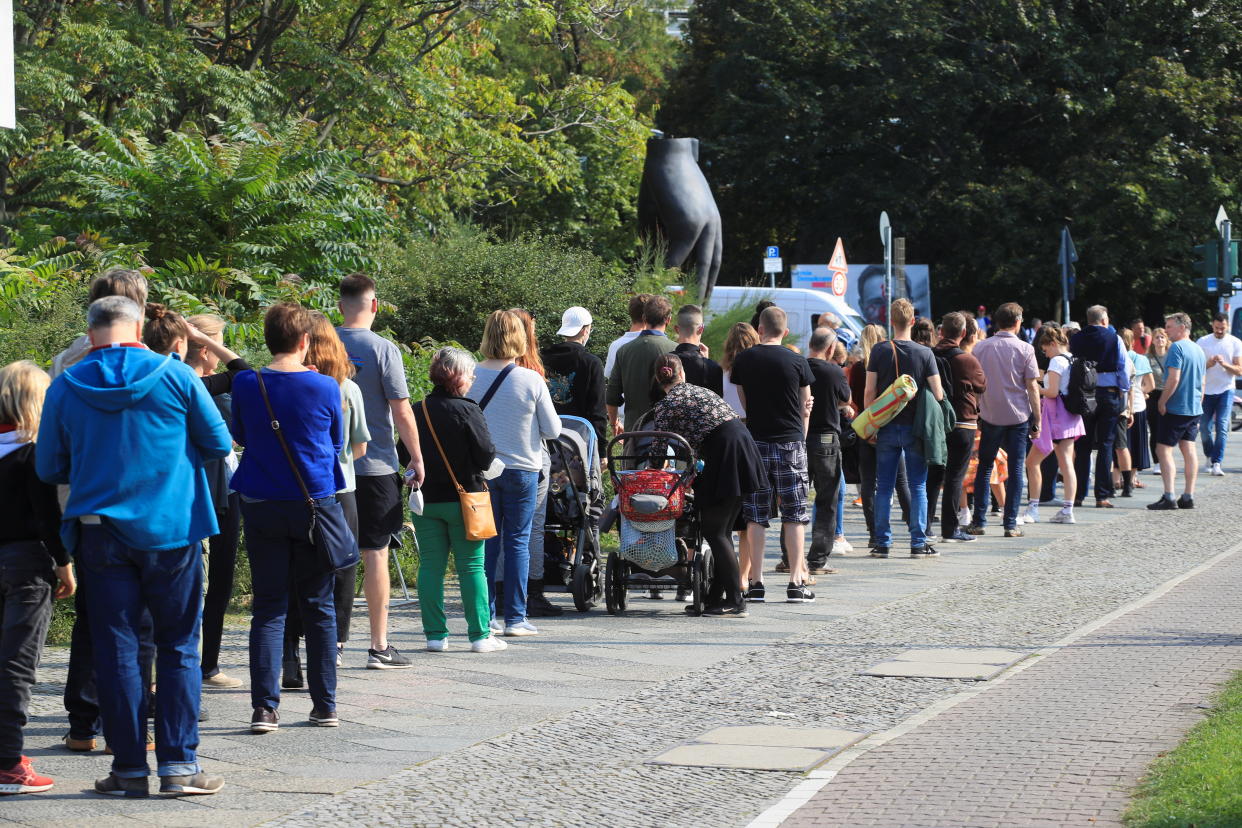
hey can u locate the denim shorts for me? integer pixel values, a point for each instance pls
(784, 465)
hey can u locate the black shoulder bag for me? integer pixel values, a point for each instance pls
(334, 543)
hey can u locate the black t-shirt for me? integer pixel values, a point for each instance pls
(829, 390)
(915, 359)
(772, 377)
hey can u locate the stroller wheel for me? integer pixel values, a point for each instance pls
(701, 573)
(614, 590)
(586, 586)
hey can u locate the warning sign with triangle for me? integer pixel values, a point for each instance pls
(839, 269)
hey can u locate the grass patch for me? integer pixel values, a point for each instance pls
(1199, 784)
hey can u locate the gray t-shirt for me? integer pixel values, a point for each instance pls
(380, 378)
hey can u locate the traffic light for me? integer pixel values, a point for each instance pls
(1207, 262)
(1207, 259)
(1229, 269)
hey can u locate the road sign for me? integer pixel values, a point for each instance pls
(773, 264)
(839, 269)
(1221, 218)
(884, 227)
(772, 252)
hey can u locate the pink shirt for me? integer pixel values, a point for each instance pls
(1008, 363)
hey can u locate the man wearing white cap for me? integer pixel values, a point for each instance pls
(574, 375)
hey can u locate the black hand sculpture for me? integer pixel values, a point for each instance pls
(676, 205)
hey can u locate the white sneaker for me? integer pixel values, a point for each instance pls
(841, 546)
(1063, 516)
(963, 517)
(496, 625)
(521, 628)
(491, 644)
(437, 645)
(1031, 515)
(1217, 471)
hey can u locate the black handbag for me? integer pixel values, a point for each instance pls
(334, 543)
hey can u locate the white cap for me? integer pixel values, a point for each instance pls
(573, 321)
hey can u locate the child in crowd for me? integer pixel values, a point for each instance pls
(34, 566)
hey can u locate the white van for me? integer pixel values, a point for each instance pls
(803, 306)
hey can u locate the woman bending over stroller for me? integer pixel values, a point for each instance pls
(732, 469)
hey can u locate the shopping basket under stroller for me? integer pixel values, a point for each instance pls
(661, 540)
(575, 503)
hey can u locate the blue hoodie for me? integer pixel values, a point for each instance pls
(128, 430)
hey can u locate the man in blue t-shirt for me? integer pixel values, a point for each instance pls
(1181, 406)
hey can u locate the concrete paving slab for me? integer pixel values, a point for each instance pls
(823, 738)
(982, 655)
(751, 757)
(933, 669)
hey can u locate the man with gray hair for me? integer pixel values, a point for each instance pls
(129, 430)
(1099, 345)
(830, 392)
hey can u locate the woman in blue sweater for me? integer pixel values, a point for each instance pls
(307, 405)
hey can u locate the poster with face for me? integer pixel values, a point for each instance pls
(864, 289)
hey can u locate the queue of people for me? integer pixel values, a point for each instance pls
(156, 449)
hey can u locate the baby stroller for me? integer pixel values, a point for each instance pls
(575, 502)
(661, 540)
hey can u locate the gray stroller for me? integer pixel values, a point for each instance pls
(575, 502)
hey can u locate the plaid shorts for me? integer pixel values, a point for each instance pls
(784, 464)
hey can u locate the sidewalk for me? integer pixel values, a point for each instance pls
(561, 730)
(1063, 742)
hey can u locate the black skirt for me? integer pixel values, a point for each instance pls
(731, 464)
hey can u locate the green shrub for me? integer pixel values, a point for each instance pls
(444, 287)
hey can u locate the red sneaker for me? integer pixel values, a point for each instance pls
(22, 779)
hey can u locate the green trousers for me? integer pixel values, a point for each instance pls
(438, 529)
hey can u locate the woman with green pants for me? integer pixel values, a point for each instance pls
(465, 448)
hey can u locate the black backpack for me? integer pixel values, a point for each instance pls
(944, 364)
(1083, 379)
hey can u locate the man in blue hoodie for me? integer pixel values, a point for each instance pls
(129, 430)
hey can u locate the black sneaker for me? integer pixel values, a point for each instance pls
(197, 784)
(1185, 502)
(798, 594)
(1165, 504)
(756, 594)
(113, 785)
(737, 610)
(1015, 532)
(264, 720)
(389, 659)
(324, 716)
(879, 552)
(974, 529)
(923, 552)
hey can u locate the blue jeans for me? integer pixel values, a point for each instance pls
(841, 506)
(1015, 440)
(892, 443)
(1214, 426)
(283, 560)
(513, 507)
(168, 583)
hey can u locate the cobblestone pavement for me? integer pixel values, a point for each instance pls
(1062, 742)
(557, 729)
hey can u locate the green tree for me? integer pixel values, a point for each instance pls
(981, 128)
